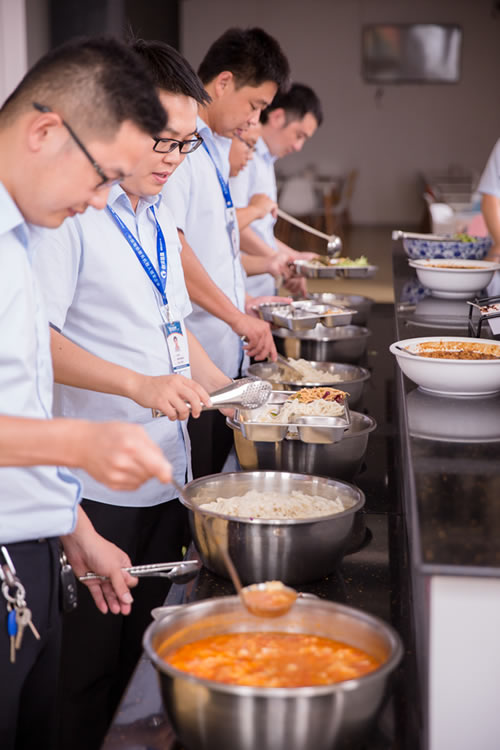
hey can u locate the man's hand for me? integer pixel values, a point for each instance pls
(121, 456)
(89, 551)
(297, 285)
(171, 394)
(263, 204)
(257, 334)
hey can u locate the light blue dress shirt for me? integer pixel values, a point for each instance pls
(99, 296)
(490, 179)
(38, 501)
(195, 197)
(258, 177)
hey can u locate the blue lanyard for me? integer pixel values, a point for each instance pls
(223, 184)
(161, 250)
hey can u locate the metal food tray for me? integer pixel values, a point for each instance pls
(308, 429)
(333, 271)
(304, 314)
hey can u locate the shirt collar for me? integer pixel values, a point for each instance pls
(263, 150)
(118, 198)
(11, 218)
(218, 145)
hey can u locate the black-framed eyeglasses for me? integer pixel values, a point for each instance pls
(106, 181)
(167, 145)
(250, 146)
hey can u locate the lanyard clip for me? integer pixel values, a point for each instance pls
(7, 569)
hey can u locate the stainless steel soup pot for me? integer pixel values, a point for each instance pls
(294, 551)
(208, 715)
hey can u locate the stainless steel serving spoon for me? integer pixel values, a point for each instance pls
(268, 599)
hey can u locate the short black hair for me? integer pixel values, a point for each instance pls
(297, 102)
(251, 55)
(169, 70)
(97, 82)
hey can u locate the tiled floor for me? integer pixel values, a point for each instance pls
(372, 241)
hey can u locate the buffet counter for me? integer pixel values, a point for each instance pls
(450, 451)
(371, 576)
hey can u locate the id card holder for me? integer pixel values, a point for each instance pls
(177, 343)
(231, 223)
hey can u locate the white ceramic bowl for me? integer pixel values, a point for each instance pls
(450, 377)
(455, 278)
(446, 248)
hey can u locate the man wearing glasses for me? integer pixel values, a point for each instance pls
(241, 71)
(46, 175)
(114, 287)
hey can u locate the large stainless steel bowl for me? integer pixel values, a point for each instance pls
(362, 305)
(293, 551)
(321, 344)
(208, 715)
(352, 377)
(341, 460)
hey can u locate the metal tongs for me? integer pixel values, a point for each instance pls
(180, 572)
(245, 393)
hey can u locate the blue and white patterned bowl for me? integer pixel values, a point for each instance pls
(476, 250)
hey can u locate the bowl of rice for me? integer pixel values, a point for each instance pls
(275, 525)
(350, 378)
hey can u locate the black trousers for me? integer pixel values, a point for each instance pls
(28, 687)
(211, 441)
(100, 652)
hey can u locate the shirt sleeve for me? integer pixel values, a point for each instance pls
(57, 254)
(490, 179)
(177, 191)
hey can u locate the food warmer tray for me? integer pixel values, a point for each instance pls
(308, 429)
(333, 270)
(304, 314)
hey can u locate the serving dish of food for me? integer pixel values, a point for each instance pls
(359, 304)
(276, 525)
(339, 344)
(331, 268)
(341, 459)
(350, 378)
(452, 246)
(304, 314)
(209, 713)
(314, 415)
(451, 365)
(454, 278)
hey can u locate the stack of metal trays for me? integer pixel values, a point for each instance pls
(304, 314)
(308, 429)
(330, 269)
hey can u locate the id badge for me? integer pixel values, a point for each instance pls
(178, 347)
(231, 228)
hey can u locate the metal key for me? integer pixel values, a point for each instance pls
(12, 630)
(23, 616)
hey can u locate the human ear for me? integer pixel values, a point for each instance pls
(41, 130)
(223, 82)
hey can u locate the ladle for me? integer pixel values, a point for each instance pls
(268, 599)
(334, 246)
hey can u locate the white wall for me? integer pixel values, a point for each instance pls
(13, 45)
(414, 127)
